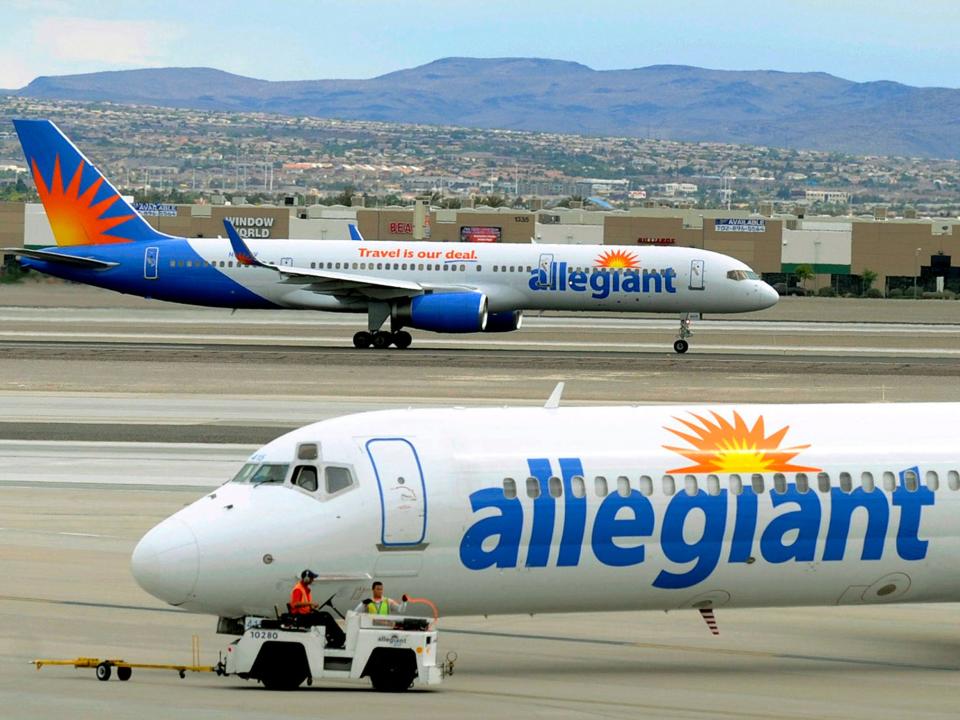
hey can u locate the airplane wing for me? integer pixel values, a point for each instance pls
(324, 281)
(62, 258)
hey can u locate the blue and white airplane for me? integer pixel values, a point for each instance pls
(440, 287)
(532, 510)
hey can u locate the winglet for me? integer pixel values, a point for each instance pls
(241, 252)
(553, 402)
(355, 233)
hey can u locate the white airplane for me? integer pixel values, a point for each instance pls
(441, 287)
(536, 510)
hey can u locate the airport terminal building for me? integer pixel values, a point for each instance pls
(836, 250)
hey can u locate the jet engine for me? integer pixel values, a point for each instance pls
(506, 321)
(456, 312)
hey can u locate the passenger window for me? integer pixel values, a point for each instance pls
(623, 486)
(866, 481)
(305, 476)
(846, 482)
(756, 481)
(932, 480)
(577, 487)
(307, 451)
(555, 487)
(713, 485)
(669, 485)
(646, 485)
(953, 480)
(600, 486)
(823, 482)
(690, 485)
(736, 485)
(910, 480)
(338, 478)
(509, 488)
(889, 481)
(779, 483)
(533, 488)
(803, 482)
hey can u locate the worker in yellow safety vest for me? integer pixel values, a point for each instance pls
(378, 604)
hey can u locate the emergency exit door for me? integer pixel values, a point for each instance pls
(696, 274)
(403, 498)
(151, 263)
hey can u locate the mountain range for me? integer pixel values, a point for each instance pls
(811, 110)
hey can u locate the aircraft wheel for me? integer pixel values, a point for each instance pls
(382, 340)
(362, 339)
(124, 673)
(402, 339)
(103, 672)
(681, 346)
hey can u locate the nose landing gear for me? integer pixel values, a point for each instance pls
(681, 345)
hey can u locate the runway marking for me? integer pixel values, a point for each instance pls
(92, 535)
(708, 650)
(198, 341)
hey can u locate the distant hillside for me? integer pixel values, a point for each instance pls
(803, 110)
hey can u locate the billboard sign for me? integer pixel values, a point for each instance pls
(479, 234)
(743, 225)
(155, 209)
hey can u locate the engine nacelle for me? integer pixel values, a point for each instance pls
(506, 321)
(457, 312)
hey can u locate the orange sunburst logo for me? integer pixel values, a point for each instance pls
(722, 446)
(73, 217)
(617, 260)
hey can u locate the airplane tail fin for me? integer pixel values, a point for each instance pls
(82, 206)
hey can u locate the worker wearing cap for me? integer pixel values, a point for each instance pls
(308, 613)
(301, 599)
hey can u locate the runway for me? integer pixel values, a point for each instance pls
(113, 417)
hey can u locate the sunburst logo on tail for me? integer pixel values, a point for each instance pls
(74, 217)
(617, 260)
(719, 445)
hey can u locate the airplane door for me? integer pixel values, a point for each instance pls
(403, 498)
(546, 260)
(151, 263)
(696, 274)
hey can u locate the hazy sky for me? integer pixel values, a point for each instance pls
(912, 42)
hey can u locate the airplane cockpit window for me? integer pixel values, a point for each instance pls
(736, 274)
(270, 473)
(245, 472)
(305, 476)
(307, 451)
(337, 478)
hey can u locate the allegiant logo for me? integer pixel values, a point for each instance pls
(601, 282)
(696, 532)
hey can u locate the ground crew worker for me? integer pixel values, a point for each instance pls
(308, 613)
(380, 605)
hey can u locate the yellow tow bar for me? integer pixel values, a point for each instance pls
(104, 667)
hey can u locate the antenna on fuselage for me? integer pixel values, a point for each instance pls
(553, 402)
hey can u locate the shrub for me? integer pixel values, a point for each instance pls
(873, 293)
(826, 292)
(895, 293)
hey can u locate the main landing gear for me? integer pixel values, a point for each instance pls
(378, 313)
(680, 345)
(381, 339)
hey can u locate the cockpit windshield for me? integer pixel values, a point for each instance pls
(742, 275)
(257, 473)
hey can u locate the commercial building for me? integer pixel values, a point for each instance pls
(838, 250)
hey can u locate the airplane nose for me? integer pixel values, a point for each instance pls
(768, 296)
(166, 561)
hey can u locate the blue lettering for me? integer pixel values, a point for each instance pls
(574, 515)
(668, 275)
(544, 510)
(842, 506)
(631, 282)
(805, 522)
(744, 527)
(705, 552)
(538, 279)
(607, 527)
(600, 284)
(657, 279)
(506, 526)
(909, 545)
(578, 281)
